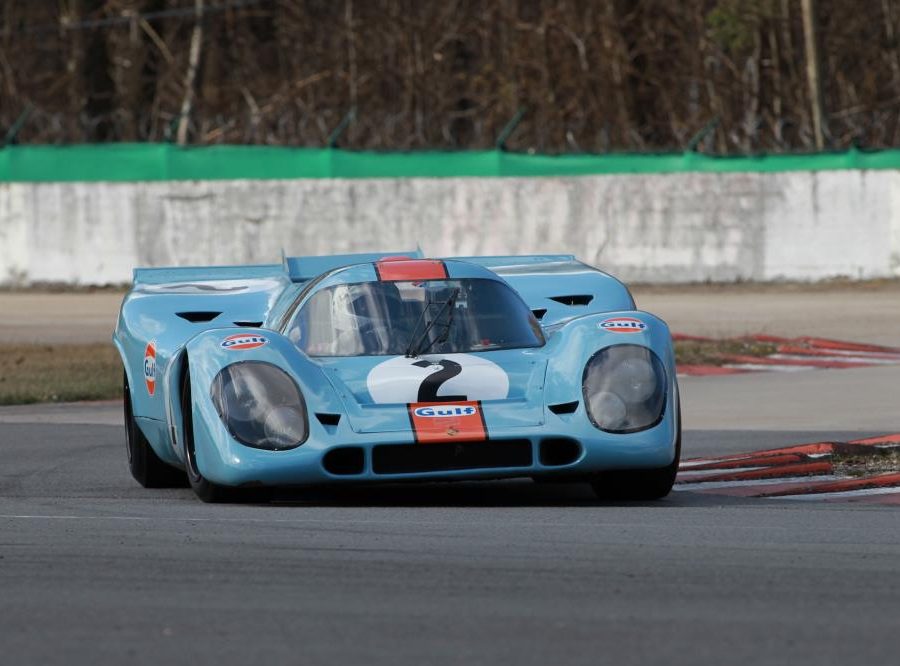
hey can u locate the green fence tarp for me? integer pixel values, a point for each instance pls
(148, 162)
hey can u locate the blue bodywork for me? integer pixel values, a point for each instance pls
(186, 313)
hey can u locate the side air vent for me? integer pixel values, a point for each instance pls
(248, 324)
(564, 407)
(539, 313)
(328, 419)
(198, 316)
(573, 299)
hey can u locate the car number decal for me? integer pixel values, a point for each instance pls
(429, 387)
(444, 377)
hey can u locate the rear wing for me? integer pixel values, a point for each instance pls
(298, 269)
(192, 274)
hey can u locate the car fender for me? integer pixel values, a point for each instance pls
(208, 353)
(571, 345)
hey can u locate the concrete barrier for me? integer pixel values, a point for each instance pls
(655, 228)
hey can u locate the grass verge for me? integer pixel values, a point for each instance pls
(64, 373)
(59, 373)
(714, 352)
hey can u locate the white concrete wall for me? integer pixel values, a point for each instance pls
(661, 228)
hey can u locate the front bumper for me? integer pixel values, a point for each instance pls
(563, 446)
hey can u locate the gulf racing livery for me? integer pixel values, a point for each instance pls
(387, 367)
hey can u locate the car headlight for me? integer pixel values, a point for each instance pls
(624, 388)
(261, 405)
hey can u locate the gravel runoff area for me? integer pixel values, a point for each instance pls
(860, 312)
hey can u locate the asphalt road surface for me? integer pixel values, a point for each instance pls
(94, 569)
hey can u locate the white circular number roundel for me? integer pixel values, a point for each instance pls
(436, 377)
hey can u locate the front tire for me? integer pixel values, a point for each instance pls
(146, 467)
(639, 484)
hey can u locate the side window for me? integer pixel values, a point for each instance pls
(313, 330)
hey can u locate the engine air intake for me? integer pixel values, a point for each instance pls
(573, 299)
(198, 316)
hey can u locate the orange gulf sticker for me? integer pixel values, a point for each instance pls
(447, 422)
(150, 367)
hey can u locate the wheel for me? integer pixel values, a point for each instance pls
(146, 467)
(639, 484)
(206, 490)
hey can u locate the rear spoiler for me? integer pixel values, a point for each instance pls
(299, 269)
(205, 273)
(523, 262)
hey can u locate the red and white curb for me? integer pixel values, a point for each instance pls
(802, 472)
(795, 354)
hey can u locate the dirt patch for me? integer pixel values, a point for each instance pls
(870, 460)
(59, 373)
(716, 352)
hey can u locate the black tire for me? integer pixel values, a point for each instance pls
(639, 484)
(206, 490)
(146, 467)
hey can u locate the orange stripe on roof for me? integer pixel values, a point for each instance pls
(397, 270)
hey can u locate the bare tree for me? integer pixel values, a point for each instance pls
(590, 75)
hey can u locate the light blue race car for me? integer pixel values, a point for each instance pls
(389, 367)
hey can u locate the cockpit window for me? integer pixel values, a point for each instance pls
(396, 318)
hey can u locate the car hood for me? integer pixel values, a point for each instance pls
(377, 390)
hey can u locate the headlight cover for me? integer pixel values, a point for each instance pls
(261, 405)
(624, 389)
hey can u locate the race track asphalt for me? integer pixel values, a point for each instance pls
(95, 569)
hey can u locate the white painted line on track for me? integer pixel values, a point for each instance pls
(700, 473)
(889, 490)
(833, 359)
(687, 464)
(711, 485)
(761, 367)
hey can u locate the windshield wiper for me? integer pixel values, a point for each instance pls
(447, 306)
(412, 336)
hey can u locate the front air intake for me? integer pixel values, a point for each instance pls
(345, 461)
(449, 456)
(559, 451)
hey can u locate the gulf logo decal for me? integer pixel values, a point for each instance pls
(150, 367)
(243, 342)
(457, 422)
(623, 325)
(440, 411)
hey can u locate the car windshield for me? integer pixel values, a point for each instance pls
(394, 318)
